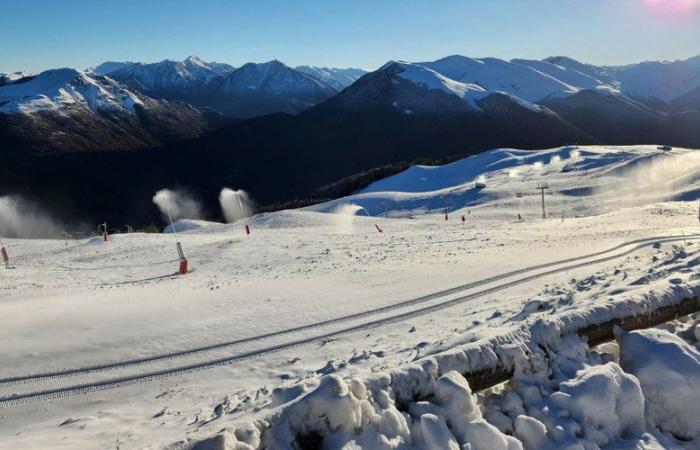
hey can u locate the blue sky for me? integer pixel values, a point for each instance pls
(41, 34)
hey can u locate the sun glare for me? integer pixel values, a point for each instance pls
(673, 5)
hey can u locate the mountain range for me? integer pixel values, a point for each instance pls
(283, 132)
(244, 92)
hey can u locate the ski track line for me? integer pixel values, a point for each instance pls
(9, 381)
(120, 364)
(31, 397)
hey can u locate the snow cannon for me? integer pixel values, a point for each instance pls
(247, 230)
(378, 229)
(183, 260)
(5, 257)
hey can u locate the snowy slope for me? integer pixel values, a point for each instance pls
(78, 303)
(339, 79)
(665, 80)
(67, 109)
(571, 77)
(584, 181)
(109, 66)
(62, 88)
(431, 79)
(495, 75)
(9, 78)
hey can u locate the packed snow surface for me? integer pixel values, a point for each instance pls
(318, 326)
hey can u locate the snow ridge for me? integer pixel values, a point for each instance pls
(59, 89)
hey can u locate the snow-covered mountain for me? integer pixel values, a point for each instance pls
(109, 66)
(73, 109)
(663, 80)
(265, 88)
(170, 79)
(251, 90)
(339, 79)
(61, 89)
(274, 78)
(10, 78)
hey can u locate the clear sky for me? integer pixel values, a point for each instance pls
(41, 34)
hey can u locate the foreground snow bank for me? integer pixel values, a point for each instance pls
(563, 395)
(669, 371)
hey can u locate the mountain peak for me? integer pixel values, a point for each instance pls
(194, 59)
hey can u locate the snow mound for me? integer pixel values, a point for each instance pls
(182, 225)
(607, 402)
(669, 372)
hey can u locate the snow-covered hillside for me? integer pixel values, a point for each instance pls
(68, 109)
(538, 81)
(318, 328)
(339, 79)
(664, 80)
(63, 88)
(582, 181)
(10, 78)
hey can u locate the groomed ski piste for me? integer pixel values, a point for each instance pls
(319, 331)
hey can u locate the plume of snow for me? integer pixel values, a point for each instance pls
(344, 217)
(178, 203)
(236, 205)
(659, 179)
(20, 219)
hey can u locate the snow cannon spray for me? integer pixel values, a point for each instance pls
(236, 205)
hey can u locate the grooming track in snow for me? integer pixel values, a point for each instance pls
(116, 382)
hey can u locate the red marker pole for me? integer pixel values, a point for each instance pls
(378, 229)
(247, 230)
(183, 260)
(105, 231)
